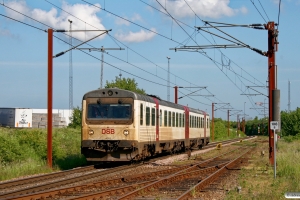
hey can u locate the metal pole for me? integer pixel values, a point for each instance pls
(271, 75)
(275, 135)
(70, 72)
(237, 125)
(176, 94)
(168, 78)
(50, 97)
(212, 123)
(101, 75)
(228, 121)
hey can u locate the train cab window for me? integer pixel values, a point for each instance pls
(153, 117)
(109, 111)
(173, 119)
(141, 114)
(160, 117)
(165, 118)
(147, 116)
(170, 119)
(176, 119)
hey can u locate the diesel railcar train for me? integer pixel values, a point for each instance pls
(121, 125)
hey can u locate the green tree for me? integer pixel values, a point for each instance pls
(126, 84)
(290, 122)
(76, 118)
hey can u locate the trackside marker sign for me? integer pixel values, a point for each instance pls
(274, 125)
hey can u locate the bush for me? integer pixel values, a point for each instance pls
(22, 146)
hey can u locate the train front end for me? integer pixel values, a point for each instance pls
(108, 132)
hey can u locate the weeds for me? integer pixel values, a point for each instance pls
(24, 151)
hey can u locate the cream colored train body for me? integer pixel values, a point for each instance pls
(120, 125)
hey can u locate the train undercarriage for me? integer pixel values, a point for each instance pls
(121, 150)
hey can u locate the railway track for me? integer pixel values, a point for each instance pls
(131, 182)
(126, 183)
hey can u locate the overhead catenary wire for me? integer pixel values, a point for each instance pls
(82, 51)
(119, 41)
(264, 10)
(125, 72)
(278, 13)
(252, 1)
(218, 49)
(127, 20)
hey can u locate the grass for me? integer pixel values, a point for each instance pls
(257, 179)
(23, 152)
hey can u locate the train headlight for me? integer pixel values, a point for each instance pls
(91, 132)
(126, 132)
(110, 92)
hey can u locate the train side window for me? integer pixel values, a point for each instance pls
(207, 123)
(147, 116)
(180, 118)
(170, 119)
(173, 119)
(194, 121)
(160, 118)
(203, 122)
(141, 114)
(176, 119)
(198, 122)
(183, 124)
(166, 118)
(153, 117)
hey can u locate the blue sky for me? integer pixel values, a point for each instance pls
(147, 33)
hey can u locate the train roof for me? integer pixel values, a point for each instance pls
(116, 92)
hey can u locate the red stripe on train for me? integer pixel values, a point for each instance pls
(157, 118)
(187, 122)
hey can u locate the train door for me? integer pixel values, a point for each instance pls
(187, 125)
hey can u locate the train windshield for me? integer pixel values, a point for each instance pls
(109, 111)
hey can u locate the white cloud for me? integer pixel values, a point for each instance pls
(203, 8)
(120, 21)
(140, 36)
(134, 18)
(19, 6)
(7, 33)
(60, 20)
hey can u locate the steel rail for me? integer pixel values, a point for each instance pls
(127, 179)
(211, 178)
(190, 172)
(43, 177)
(61, 182)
